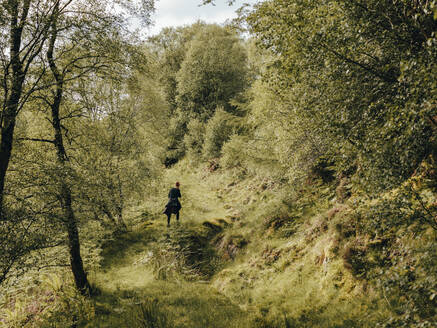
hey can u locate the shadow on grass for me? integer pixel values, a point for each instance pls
(163, 304)
(116, 250)
(127, 295)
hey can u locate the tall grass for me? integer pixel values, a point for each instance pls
(247, 253)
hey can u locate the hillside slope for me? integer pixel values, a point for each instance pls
(251, 253)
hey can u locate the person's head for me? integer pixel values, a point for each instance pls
(177, 184)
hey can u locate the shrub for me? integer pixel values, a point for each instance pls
(176, 146)
(233, 152)
(402, 260)
(218, 130)
(194, 138)
(53, 303)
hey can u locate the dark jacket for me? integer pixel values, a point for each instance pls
(173, 205)
(174, 193)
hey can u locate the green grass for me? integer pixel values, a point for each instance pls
(272, 280)
(235, 271)
(184, 304)
(127, 280)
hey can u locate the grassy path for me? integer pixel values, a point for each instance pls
(199, 200)
(130, 292)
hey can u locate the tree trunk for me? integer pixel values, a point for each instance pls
(7, 135)
(120, 222)
(108, 213)
(119, 206)
(10, 111)
(77, 268)
(76, 263)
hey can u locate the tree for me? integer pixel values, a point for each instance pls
(208, 69)
(115, 153)
(169, 49)
(26, 23)
(199, 68)
(88, 61)
(213, 72)
(343, 65)
(74, 39)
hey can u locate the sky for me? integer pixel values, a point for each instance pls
(184, 12)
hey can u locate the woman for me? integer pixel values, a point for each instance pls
(173, 205)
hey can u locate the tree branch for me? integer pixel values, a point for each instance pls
(36, 139)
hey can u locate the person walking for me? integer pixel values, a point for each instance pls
(173, 206)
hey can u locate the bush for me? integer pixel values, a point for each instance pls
(401, 259)
(176, 146)
(54, 303)
(194, 138)
(233, 154)
(218, 130)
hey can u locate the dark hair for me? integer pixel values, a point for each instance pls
(177, 184)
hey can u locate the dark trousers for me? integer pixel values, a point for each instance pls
(169, 215)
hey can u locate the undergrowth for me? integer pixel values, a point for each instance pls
(186, 253)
